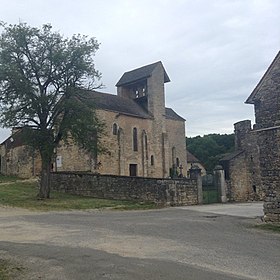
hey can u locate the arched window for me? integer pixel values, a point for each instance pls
(146, 145)
(152, 161)
(177, 162)
(173, 153)
(134, 139)
(115, 129)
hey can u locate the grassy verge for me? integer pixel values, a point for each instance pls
(6, 179)
(9, 270)
(269, 227)
(23, 194)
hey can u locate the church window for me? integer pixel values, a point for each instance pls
(152, 161)
(146, 145)
(135, 140)
(173, 155)
(115, 129)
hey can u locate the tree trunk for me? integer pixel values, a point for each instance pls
(44, 186)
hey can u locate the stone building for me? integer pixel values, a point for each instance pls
(241, 167)
(266, 100)
(256, 163)
(143, 137)
(18, 159)
(194, 161)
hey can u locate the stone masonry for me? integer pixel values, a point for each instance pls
(242, 167)
(166, 192)
(266, 101)
(142, 137)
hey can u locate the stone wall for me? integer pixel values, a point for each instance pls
(243, 166)
(265, 98)
(239, 186)
(160, 191)
(177, 139)
(20, 161)
(120, 147)
(269, 141)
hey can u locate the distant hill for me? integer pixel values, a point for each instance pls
(209, 149)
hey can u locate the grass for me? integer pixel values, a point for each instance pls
(23, 194)
(269, 227)
(4, 267)
(5, 179)
(9, 270)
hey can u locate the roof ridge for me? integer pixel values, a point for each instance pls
(250, 99)
(140, 73)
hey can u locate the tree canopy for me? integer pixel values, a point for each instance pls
(42, 75)
(209, 149)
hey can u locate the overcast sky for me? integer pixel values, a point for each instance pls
(214, 51)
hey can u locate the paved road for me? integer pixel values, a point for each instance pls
(247, 210)
(200, 242)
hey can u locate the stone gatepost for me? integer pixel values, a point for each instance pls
(195, 174)
(219, 181)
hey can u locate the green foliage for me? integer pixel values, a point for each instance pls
(10, 270)
(43, 78)
(210, 148)
(4, 178)
(23, 194)
(269, 227)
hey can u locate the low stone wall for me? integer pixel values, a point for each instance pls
(161, 191)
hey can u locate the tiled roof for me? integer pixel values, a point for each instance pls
(231, 156)
(116, 103)
(170, 114)
(14, 140)
(140, 74)
(252, 98)
(191, 158)
(123, 105)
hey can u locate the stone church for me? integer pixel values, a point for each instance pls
(143, 137)
(253, 171)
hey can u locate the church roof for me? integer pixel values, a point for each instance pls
(115, 103)
(275, 63)
(140, 74)
(127, 106)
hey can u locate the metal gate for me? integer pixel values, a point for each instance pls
(209, 189)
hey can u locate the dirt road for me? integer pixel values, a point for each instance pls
(174, 243)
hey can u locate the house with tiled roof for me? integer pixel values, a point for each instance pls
(193, 161)
(142, 136)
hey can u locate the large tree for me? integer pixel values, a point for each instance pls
(42, 80)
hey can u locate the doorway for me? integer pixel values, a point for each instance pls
(133, 170)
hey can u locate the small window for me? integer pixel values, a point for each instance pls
(152, 161)
(133, 170)
(115, 129)
(134, 140)
(177, 162)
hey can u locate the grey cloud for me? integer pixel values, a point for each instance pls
(215, 52)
